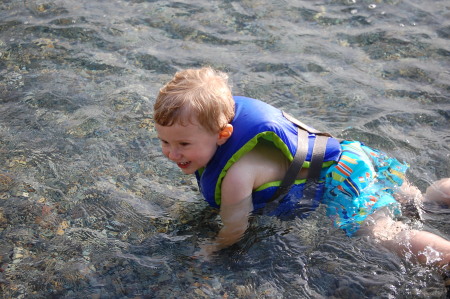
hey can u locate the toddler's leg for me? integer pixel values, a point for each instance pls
(439, 191)
(426, 247)
(408, 193)
(411, 199)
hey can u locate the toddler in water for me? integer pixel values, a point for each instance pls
(246, 154)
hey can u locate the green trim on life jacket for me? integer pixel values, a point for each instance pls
(277, 184)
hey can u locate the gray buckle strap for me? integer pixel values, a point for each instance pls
(304, 126)
(318, 154)
(295, 167)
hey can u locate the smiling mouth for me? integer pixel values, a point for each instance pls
(183, 164)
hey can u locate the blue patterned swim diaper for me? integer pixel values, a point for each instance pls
(362, 182)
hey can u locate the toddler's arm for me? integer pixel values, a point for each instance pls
(236, 206)
(235, 222)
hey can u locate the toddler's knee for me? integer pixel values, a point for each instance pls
(383, 228)
(408, 193)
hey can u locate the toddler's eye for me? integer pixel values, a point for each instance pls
(184, 143)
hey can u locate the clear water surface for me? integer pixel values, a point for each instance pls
(89, 208)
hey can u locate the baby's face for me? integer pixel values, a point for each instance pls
(190, 146)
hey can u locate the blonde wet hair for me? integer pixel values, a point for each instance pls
(196, 94)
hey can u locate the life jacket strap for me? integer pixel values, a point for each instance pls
(318, 154)
(304, 126)
(295, 167)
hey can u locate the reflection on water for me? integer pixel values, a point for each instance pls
(90, 208)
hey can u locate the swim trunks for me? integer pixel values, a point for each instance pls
(362, 182)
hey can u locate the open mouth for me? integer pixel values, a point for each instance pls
(183, 164)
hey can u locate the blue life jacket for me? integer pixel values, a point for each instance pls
(254, 120)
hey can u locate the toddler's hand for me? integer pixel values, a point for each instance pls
(206, 252)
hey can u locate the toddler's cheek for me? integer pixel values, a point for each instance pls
(165, 152)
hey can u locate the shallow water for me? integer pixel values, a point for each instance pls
(90, 208)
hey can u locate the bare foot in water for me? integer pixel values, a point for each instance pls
(439, 192)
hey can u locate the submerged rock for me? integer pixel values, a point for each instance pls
(6, 182)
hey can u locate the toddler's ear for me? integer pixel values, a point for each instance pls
(224, 134)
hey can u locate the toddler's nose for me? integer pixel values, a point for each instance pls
(174, 155)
